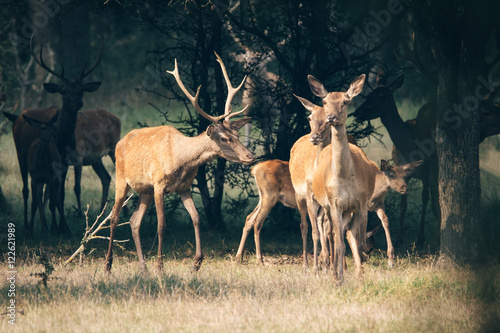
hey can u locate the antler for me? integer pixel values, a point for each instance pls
(194, 100)
(98, 60)
(231, 91)
(40, 61)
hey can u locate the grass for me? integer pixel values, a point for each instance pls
(417, 295)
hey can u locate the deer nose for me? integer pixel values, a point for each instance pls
(332, 118)
(404, 189)
(315, 139)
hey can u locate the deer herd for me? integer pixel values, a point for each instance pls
(329, 179)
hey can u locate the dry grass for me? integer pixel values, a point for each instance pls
(416, 296)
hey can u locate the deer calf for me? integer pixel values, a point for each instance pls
(156, 161)
(43, 156)
(275, 185)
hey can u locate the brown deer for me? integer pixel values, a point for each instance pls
(343, 182)
(160, 160)
(42, 156)
(275, 185)
(303, 160)
(96, 134)
(72, 93)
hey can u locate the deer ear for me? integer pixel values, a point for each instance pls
(396, 84)
(384, 165)
(33, 122)
(356, 86)
(237, 124)
(52, 88)
(211, 130)
(317, 87)
(308, 105)
(91, 86)
(10, 116)
(410, 167)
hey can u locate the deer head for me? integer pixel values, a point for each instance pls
(317, 121)
(48, 130)
(222, 131)
(70, 90)
(336, 103)
(396, 175)
(379, 100)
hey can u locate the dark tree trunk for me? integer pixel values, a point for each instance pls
(460, 55)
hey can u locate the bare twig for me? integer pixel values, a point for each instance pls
(91, 233)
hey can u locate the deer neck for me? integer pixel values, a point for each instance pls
(397, 129)
(381, 186)
(66, 129)
(198, 150)
(341, 153)
(320, 148)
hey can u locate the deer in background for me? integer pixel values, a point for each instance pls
(96, 134)
(156, 161)
(42, 156)
(275, 185)
(342, 182)
(72, 93)
(406, 135)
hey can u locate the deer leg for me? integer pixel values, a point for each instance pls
(302, 206)
(187, 200)
(78, 187)
(29, 226)
(26, 193)
(160, 213)
(55, 202)
(402, 207)
(249, 223)
(385, 223)
(122, 189)
(324, 255)
(358, 223)
(425, 199)
(41, 207)
(260, 217)
(312, 208)
(135, 225)
(105, 178)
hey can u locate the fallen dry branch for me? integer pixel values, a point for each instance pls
(91, 233)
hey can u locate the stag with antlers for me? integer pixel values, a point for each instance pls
(160, 160)
(72, 93)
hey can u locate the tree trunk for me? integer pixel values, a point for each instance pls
(461, 55)
(4, 204)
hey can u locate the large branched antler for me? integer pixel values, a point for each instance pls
(194, 99)
(96, 63)
(40, 61)
(231, 91)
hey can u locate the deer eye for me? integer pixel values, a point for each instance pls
(224, 140)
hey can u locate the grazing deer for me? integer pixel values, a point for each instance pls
(72, 93)
(303, 160)
(42, 156)
(342, 182)
(156, 161)
(275, 184)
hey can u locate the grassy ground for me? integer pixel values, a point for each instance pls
(415, 296)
